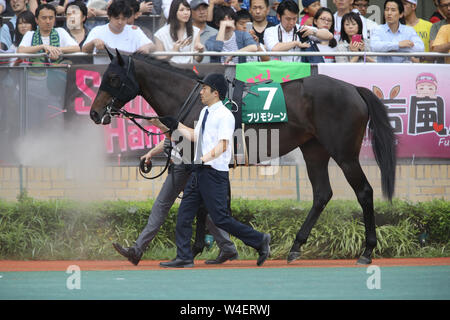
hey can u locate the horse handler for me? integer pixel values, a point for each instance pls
(209, 181)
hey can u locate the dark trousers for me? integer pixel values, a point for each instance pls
(210, 186)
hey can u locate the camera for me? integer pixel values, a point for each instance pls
(301, 37)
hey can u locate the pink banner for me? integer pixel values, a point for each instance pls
(417, 97)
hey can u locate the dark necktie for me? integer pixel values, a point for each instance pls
(204, 121)
(200, 138)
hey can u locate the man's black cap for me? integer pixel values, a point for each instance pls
(217, 82)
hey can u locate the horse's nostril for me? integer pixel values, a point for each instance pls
(94, 116)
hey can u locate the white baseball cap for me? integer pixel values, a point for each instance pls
(412, 1)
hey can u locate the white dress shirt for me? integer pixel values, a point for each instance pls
(272, 37)
(219, 126)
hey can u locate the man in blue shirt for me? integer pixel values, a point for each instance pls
(393, 36)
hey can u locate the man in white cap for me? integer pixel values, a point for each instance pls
(421, 26)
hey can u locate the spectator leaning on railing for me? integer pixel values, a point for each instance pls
(394, 36)
(284, 37)
(442, 41)
(199, 11)
(259, 9)
(346, 6)
(53, 41)
(179, 35)
(228, 39)
(352, 39)
(244, 24)
(444, 6)
(117, 34)
(25, 22)
(421, 26)
(7, 30)
(320, 36)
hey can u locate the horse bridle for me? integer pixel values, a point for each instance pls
(129, 89)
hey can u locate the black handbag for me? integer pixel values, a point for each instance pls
(313, 48)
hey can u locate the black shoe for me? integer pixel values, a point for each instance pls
(264, 250)
(178, 263)
(222, 257)
(129, 253)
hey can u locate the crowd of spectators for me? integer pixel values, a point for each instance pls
(66, 26)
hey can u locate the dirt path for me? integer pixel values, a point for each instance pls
(105, 265)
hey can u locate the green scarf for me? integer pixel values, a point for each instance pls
(37, 40)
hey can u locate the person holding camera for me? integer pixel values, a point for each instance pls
(352, 39)
(285, 36)
(304, 38)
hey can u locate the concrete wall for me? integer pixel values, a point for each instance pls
(414, 182)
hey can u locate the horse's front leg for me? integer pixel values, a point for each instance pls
(200, 231)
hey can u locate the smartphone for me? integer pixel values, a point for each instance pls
(357, 38)
(188, 38)
(249, 26)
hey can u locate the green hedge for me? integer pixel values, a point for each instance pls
(62, 229)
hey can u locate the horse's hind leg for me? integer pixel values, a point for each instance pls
(316, 159)
(364, 192)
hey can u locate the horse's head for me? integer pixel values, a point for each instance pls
(118, 86)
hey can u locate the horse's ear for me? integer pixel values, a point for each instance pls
(109, 53)
(119, 58)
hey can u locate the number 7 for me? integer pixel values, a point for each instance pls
(270, 96)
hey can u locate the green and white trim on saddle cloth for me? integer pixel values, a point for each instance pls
(264, 103)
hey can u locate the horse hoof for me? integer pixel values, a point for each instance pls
(364, 260)
(293, 255)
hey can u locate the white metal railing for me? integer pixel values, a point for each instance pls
(271, 53)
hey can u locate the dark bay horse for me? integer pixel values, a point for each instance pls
(327, 118)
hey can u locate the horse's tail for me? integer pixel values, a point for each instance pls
(383, 140)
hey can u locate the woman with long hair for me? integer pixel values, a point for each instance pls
(352, 39)
(179, 35)
(25, 22)
(324, 21)
(394, 35)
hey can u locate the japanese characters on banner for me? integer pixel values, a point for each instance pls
(417, 98)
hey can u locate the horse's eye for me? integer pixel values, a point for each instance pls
(114, 81)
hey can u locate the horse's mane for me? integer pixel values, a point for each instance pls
(164, 65)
